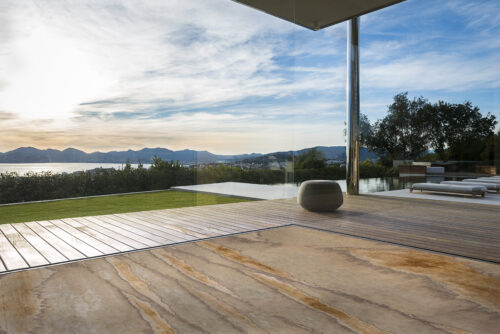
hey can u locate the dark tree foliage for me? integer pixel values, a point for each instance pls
(365, 130)
(311, 159)
(491, 152)
(412, 127)
(404, 132)
(459, 131)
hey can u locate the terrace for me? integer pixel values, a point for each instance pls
(379, 264)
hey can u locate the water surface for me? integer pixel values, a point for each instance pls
(56, 168)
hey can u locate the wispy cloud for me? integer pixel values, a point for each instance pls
(433, 71)
(481, 14)
(6, 116)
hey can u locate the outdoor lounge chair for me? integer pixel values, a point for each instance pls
(489, 186)
(450, 188)
(493, 181)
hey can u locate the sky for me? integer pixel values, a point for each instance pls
(215, 75)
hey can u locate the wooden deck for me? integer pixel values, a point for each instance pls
(467, 230)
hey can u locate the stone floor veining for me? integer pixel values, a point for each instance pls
(283, 280)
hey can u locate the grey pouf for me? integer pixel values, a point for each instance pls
(320, 195)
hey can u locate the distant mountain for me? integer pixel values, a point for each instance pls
(329, 152)
(34, 155)
(338, 152)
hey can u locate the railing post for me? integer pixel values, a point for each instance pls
(352, 142)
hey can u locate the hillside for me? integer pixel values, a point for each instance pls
(329, 152)
(71, 155)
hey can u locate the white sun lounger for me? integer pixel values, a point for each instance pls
(489, 186)
(450, 188)
(482, 181)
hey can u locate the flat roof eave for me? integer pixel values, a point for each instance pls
(317, 14)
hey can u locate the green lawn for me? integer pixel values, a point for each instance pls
(109, 204)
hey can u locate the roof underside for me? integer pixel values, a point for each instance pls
(317, 14)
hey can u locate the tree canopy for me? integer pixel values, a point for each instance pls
(310, 159)
(413, 127)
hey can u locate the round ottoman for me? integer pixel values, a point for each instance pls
(320, 195)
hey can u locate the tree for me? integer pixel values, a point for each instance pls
(404, 132)
(128, 166)
(312, 159)
(412, 127)
(365, 130)
(491, 153)
(459, 131)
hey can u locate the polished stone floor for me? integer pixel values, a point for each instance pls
(283, 280)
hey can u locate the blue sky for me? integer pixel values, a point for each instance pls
(215, 75)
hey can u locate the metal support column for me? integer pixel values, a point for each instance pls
(352, 142)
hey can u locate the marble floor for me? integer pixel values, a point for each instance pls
(283, 280)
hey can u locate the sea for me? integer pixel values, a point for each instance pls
(56, 168)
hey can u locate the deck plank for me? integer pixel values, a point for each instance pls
(49, 252)
(146, 241)
(137, 230)
(89, 240)
(175, 228)
(12, 259)
(222, 220)
(28, 252)
(177, 224)
(186, 223)
(81, 246)
(196, 218)
(184, 226)
(97, 235)
(65, 249)
(110, 233)
(150, 229)
(162, 228)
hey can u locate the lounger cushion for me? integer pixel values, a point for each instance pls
(483, 181)
(450, 188)
(489, 186)
(320, 195)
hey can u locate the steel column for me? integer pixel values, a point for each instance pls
(352, 142)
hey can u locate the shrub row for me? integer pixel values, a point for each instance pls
(161, 175)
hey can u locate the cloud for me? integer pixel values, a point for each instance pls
(478, 14)
(178, 73)
(105, 50)
(6, 116)
(432, 71)
(221, 133)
